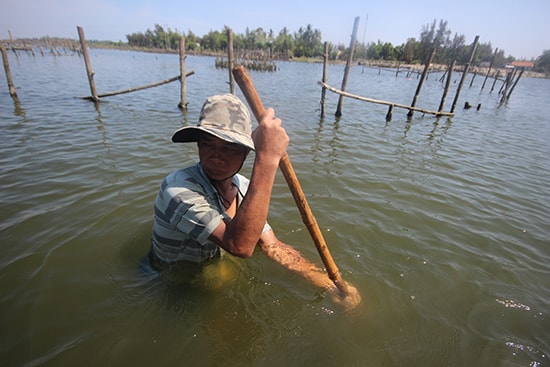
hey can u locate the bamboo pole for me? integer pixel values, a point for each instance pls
(230, 60)
(151, 85)
(89, 71)
(378, 101)
(6, 63)
(348, 65)
(324, 90)
(421, 82)
(257, 107)
(466, 67)
(183, 80)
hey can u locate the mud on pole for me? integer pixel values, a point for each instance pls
(348, 65)
(88, 64)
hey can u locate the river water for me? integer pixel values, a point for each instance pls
(441, 224)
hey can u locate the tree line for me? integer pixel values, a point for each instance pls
(307, 42)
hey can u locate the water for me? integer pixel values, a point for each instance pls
(442, 224)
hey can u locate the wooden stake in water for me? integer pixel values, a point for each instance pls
(89, 71)
(183, 80)
(348, 65)
(11, 87)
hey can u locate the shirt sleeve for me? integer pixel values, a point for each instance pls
(191, 213)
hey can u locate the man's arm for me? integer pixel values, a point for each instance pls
(240, 235)
(291, 259)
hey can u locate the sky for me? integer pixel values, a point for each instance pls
(521, 29)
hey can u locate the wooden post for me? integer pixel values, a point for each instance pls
(183, 79)
(466, 67)
(515, 83)
(473, 77)
(495, 81)
(447, 85)
(323, 89)
(489, 70)
(230, 61)
(419, 87)
(348, 65)
(88, 64)
(11, 87)
(509, 77)
(389, 114)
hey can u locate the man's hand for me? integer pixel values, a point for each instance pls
(270, 138)
(350, 300)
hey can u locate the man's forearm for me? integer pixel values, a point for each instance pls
(244, 230)
(291, 259)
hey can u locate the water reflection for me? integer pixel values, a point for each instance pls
(319, 150)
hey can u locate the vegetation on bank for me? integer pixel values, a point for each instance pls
(307, 42)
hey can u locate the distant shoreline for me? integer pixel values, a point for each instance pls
(74, 46)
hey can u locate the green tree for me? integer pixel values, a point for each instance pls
(284, 43)
(431, 38)
(408, 51)
(308, 42)
(543, 63)
(214, 41)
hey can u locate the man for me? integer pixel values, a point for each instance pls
(207, 207)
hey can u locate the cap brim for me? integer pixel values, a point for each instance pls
(191, 133)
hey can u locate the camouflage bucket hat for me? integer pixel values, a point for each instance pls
(223, 116)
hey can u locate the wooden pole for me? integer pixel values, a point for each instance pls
(253, 99)
(447, 86)
(348, 65)
(466, 67)
(515, 83)
(489, 70)
(495, 80)
(419, 87)
(389, 114)
(11, 86)
(323, 89)
(473, 77)
(504, 87)
(88, 64)
(230, 59)
(183, 79)
(135, 89)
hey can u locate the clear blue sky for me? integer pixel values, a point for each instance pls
(521, 29)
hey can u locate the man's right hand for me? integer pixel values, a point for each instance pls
(270, 138)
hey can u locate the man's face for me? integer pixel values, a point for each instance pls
(220, 159)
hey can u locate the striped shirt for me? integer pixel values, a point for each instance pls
(187, 210)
